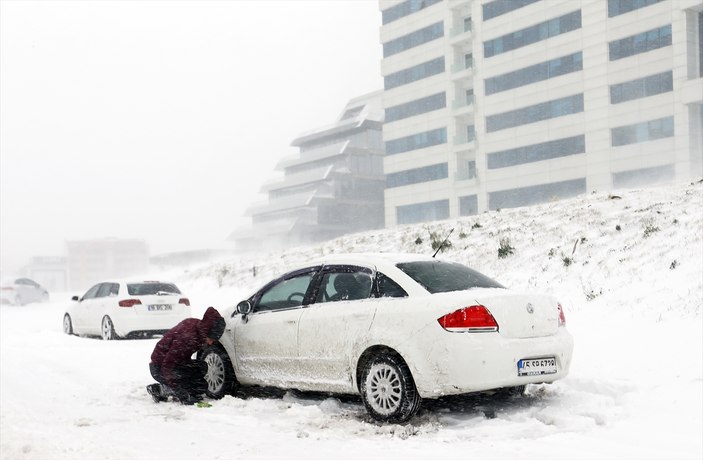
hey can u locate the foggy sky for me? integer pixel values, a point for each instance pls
(161, 120)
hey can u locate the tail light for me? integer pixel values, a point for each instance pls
(8, 289)
(129, 302)
(475, 318)
(562, 318)
(184, 301)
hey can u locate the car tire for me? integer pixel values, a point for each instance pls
(388, 389)
(220, 374)
(67, 324)
(107, 329)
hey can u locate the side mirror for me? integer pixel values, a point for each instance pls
(75, 298)
(244, 307)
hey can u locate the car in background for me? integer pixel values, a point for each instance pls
(395, 328)
(126, 309)
(21, 291)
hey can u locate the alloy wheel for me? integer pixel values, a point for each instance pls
(383, 388)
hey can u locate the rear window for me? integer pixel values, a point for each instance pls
(438, 276)
(152, 289)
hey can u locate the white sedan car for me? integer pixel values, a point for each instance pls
(394, 327)
(119, 309)
(21, 291)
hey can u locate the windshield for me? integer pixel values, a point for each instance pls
(152, 289)
(437, 276)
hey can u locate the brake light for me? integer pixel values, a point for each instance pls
(8, 289)
(129, 302)
(184, 301)
(562, 318)
(475, 318)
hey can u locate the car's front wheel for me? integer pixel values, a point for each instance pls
(107, 329)
(220, 375)
(67, 325)
(388, 389)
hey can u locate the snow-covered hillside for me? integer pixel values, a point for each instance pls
(628, 268)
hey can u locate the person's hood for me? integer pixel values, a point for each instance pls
(212, 324)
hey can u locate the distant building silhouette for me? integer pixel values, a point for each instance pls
(333, 186)
(92, 261)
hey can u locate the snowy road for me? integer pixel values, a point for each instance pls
(70, 397)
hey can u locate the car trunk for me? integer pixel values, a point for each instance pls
(159, 305)
(523, 316)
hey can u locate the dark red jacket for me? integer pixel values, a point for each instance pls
(178, 345)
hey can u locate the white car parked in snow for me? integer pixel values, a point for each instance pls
(394, 327)
(117, 309)
(21, 291)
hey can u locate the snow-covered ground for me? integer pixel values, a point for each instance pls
(627, 268)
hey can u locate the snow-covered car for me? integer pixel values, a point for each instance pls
(124, 309)
(394, 327)
(21, 291)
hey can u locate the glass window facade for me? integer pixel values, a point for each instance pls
(532, 34)
(642, 87)
(618, 7)
(537, 152)
(422, 212)
(416, 141)
(404, 9)
(640, 43)
(414, 73)
(499, 7)
(535, 73)
(417, 175)
(526, 196)
(416, 107)
(644, 176)
(539, 112)
(642, 132)
(413, 39)
(468, 205)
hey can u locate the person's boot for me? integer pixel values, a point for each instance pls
(156, 394)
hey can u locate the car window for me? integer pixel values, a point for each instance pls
(286, 293)
(114, 289)
(92, 292)
(151, 288)
(26, 282)
(439, 276)
(104, 290)
(344, 285)
(389, 288)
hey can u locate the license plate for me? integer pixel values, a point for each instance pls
(160, 307)
(537, 366)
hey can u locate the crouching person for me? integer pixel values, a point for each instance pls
(171, 364)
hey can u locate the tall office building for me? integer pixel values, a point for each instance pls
(502, 103)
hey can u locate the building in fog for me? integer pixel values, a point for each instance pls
(332, 186)
(503, 103)
(49, 271)
(92, 261)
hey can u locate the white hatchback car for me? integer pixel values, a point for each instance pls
(119, 309)
(394, 327)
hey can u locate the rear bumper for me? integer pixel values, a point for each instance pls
(132, 324)
(457, 363)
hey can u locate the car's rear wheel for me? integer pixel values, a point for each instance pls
(220, 375)
(107, 331)
(67, 325)
(388, 389)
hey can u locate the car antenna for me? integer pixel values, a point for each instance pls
(443, 242)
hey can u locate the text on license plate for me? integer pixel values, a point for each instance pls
(537, 366)
(159, 307)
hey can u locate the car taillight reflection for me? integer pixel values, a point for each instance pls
(129, 302)
(475, 318)
(562, 318)
(184, 301)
